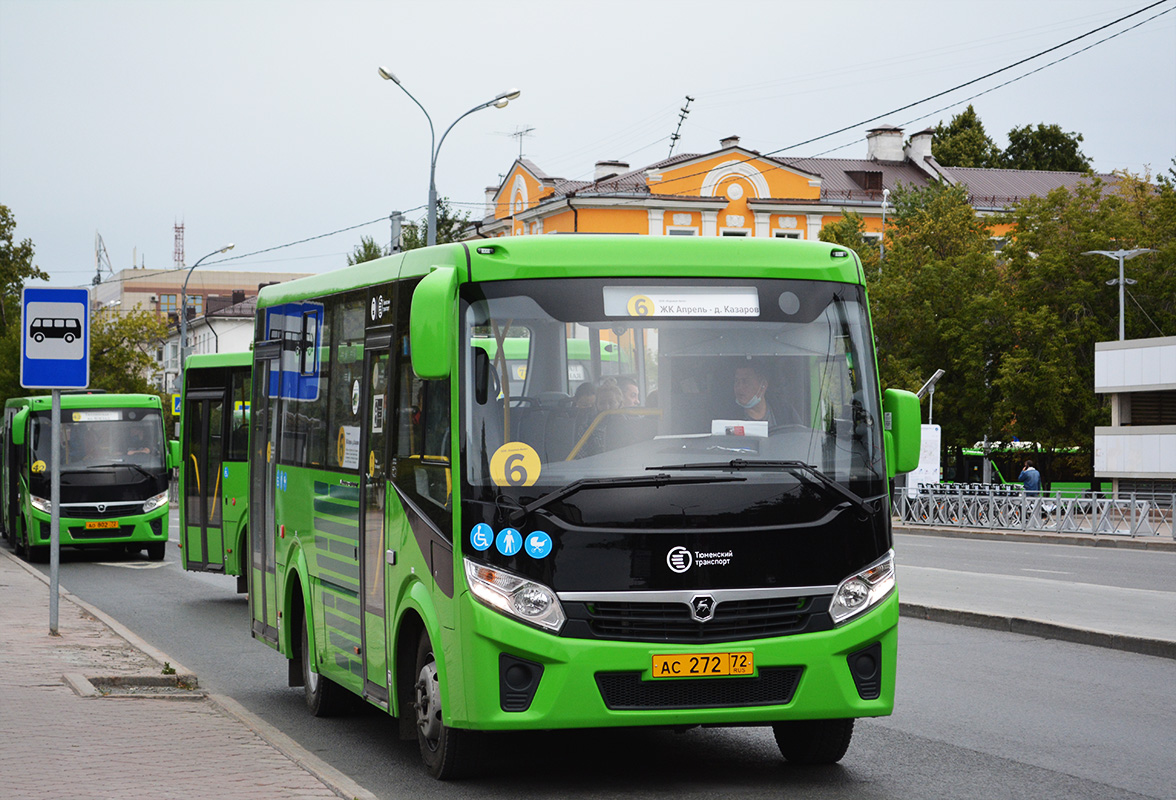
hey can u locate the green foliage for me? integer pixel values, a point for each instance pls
(16, 267)
(963, 142)
(935, 306)
(849, 231)
(449, 227)
(1045, 147)
(366, 250)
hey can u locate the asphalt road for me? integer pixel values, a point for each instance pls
(980, 714)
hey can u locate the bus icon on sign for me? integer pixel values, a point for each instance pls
(44, 328)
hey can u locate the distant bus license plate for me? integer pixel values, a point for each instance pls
(698, 665)
(104, 523)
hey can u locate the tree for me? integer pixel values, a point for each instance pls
(122, 349)
(935, 305)
(1046, 147)
(449, 227)
(849, 231)
(963, 142)
(16, 267)
(366, 250)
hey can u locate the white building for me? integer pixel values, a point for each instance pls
(1138, 449)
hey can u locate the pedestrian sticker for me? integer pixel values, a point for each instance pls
(509, 541)
(482, 536)
(538, 544)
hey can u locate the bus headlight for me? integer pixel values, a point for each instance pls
(155, 502)
(863, 591)
(41, 504)
(514, 596)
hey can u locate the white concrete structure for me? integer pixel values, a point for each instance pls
(1138, 449)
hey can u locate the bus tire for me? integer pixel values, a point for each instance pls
(324, 697)
(156, 550)
(813, 741)
(444, 750)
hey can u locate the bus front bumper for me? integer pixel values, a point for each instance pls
(511, 676)
(131, 528)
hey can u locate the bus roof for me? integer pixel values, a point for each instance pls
(243, 358)
(580, 255)
(45, 402)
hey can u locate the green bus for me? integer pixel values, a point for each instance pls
(214, 470)
(471, 552)
(115, 466)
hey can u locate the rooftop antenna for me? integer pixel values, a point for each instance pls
(101, 259)
(519, 133)
(683, 113)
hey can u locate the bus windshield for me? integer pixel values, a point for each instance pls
(102, 437)
(573, 379)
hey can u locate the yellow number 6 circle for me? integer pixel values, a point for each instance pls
(640, 306)
(515, 464)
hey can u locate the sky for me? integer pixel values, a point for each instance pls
(266, 124)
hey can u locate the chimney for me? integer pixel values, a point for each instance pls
(919, 148)
(884, 143)
(490, 192)
(238, 296)
(607, 169)
(729, 142)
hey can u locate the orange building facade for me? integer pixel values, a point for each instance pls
(734, 191)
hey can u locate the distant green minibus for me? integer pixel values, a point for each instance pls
(115, 465)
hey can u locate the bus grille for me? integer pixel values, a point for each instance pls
(733, 620)
(626, 690)
(121, 532)
(107, 510)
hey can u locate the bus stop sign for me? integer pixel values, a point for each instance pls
(55, 338)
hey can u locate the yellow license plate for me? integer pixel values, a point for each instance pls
(102, 523)
(701, 665)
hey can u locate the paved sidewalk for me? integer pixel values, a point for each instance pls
(1136, 620)
(84, 715)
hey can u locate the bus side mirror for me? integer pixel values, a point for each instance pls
(431, 329)
(173, 454)
(902, 429)
(19, 423)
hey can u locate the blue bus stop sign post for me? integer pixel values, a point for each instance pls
(54, 354)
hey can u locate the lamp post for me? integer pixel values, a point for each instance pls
(882, 241)
(1121, 255)
(184, 308)
(929, 389)
(500, 101)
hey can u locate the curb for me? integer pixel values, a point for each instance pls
(335, 780)
(1045, 630)
(1075, 539)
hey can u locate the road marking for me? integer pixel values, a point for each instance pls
(1047, 571)
(134, 565)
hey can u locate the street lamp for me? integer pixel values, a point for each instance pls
(929, 389)
(184, 308)
(500, 101)
(882, 241)
(1122, 255)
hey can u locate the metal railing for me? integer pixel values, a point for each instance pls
(1001, 507)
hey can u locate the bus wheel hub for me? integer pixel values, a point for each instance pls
(428, 702)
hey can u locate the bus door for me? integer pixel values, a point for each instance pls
(203, 534)
(263, 463)
(373, 446)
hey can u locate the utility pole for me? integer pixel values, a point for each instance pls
(682, 114)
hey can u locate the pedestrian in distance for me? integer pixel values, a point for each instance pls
(1030, 478)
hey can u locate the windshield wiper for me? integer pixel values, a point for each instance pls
(661, 479)
(799, 467)
(124, 464)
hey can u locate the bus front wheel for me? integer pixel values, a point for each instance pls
(324, 697)
(443, 749)
(156, 550)
(813, 741)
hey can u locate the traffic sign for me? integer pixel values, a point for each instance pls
(55, 338)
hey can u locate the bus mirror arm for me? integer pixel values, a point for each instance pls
(19, 424)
